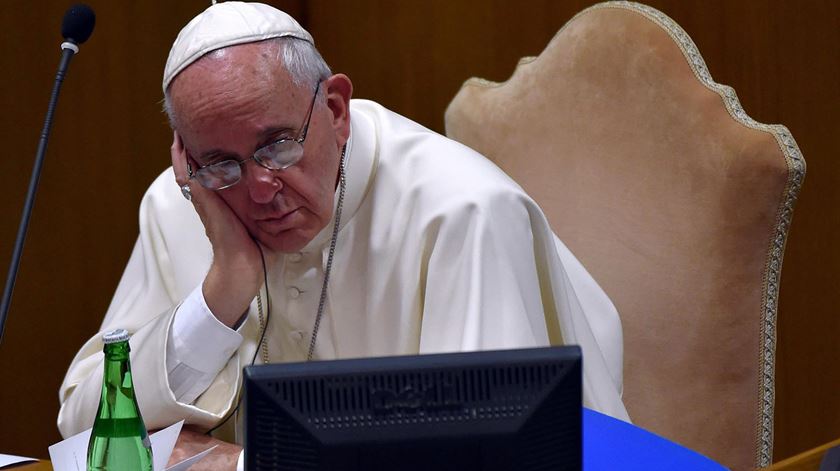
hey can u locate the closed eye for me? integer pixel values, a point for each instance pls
(217, 159)
(275, 140)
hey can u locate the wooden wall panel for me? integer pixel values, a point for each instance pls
(110, 141)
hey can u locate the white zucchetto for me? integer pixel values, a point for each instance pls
(227, 24)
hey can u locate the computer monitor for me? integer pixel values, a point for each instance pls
(496, 410)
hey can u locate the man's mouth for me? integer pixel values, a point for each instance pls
(276, 225)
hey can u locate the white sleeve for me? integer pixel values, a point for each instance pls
(240, 464)
(199, 347)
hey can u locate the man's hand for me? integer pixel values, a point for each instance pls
(191, 443)
(235, 275)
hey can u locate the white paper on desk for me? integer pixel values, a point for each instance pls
(71, 454)
(163, 442)
(8, 460)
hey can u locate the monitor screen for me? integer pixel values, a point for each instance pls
(495, 410)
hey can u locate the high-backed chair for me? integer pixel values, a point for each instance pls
(677, 202)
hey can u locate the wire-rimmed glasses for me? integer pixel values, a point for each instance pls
(279, 155)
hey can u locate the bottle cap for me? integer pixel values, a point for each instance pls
(119, 335)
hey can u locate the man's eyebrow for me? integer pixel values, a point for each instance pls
(265, 137)
(270, 134)
(273, 131)
(216, 154)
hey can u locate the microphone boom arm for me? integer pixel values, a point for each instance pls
(68, 50)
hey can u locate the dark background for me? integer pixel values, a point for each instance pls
(110, 140)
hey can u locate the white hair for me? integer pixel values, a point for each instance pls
(300, 58)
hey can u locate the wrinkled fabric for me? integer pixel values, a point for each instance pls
(438, 251)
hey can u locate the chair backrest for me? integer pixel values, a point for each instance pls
(677, 202)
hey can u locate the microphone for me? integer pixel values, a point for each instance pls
(76, 28)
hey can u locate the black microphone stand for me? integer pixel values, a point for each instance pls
(68, 50)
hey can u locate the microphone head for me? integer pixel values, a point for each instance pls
(78, 23)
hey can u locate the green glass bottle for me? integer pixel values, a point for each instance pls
(119, 440)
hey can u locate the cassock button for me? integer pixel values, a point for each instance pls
(293, 292)
(295, 257)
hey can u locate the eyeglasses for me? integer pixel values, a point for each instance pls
(279, 155)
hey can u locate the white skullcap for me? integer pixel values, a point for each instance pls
(227, 24)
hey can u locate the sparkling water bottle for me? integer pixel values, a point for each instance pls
(119, 440)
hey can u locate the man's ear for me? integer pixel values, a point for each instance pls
(339, 90)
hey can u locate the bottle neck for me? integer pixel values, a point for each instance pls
(117, 351)
(117, 383)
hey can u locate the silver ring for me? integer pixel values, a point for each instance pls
(185, 190)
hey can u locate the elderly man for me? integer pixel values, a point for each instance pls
(321, 227)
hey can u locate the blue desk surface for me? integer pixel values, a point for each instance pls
(610, 444)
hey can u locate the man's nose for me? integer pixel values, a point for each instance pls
(263, 184)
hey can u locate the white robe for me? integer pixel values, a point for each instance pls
(438, 251)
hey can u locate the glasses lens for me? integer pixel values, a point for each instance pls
(279, 155)
(220, 175)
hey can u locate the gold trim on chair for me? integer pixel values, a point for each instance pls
(796, 174)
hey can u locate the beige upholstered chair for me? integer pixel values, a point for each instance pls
(677, 202)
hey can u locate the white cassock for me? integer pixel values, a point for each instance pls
(438, 251)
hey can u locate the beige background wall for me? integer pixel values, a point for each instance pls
(110, 140)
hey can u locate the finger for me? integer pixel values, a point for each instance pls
(200, 196)
(206, 202)
(179, 159)
(181, 162)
